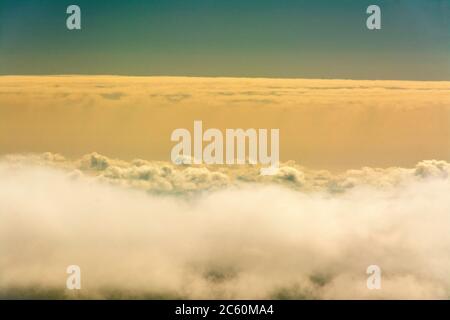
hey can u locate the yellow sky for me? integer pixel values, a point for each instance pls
(330, 124)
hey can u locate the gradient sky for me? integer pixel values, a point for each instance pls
(256, 38)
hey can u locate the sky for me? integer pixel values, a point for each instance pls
(236, 38)
(86, 119)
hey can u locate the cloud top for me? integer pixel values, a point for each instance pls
(161, 177)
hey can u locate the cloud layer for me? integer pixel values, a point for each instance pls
(149, 229)
(331, 124)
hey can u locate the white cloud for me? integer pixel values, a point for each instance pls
(245, 240)
(165, 177)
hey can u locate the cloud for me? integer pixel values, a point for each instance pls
(164, 177)
(113, 95)
(290, 236)
(223, 90)
(331, 124)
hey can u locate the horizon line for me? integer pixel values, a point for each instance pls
(213, 77)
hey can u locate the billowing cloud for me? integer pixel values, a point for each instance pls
(299, 234)
(167, 178)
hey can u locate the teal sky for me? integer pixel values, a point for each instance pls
(255, 38)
